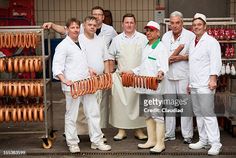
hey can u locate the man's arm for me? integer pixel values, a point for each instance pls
(58, 28)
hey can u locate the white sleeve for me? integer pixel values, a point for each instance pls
(163, 60)
(58, 63)
(215, 58)
(112, 49)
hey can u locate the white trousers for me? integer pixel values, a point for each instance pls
(177, 89)
(203, 108)
(92, 113)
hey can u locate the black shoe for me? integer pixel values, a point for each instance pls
(187, 140)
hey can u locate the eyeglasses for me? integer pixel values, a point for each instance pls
(97, 14)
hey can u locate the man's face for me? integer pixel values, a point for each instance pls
(90, 26)
(152, 34)
(73, 30)
(129, 25)
(176, 24)
(199, 27)
(98, 14)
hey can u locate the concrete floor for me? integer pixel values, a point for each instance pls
(30, 145)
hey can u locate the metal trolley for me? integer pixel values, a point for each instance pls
(31, 117)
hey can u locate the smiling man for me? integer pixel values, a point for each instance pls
(205, 64)
(154, 64)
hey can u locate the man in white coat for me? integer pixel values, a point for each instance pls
(69, 65)
(154, 64)
(205, 64)
(177, 42)
(126, 49)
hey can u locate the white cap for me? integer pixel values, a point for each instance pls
(152, 25)
(200, 16)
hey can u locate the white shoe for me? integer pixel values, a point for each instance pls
(74, 149)
(101, 146)
(214, 150)
(198, 145)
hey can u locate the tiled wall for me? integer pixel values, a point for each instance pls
(59, 11)
(233, 9)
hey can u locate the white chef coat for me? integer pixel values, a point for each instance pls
(204, 60)
(154, 59)
(95, 50)
(178, 70)
(138, 39)
(107, 32)
(70, 61)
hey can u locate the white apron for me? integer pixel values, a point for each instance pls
(124, 110)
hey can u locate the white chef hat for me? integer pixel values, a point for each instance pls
(199, 16)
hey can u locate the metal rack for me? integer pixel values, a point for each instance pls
(228, 97)
(47, 129)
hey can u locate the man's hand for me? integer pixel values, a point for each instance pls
(213, 82)
(47, 25)
(130, 72)
(92, 72)
(173, 59)
(160, 75)
(67, 82)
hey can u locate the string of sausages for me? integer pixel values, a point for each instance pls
(91, 85)
(18, 39)
(18, 113)
(135, 81)
(21, 64)
(21, 88)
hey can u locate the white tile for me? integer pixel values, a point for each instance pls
(68, 15)
(39, 5)
(78, 4)
(73, 14)
(68, 4)
(112, 5)
(140, 16)
(134, 5)
(51, 4)
(57, 5)
(106, 4)
(73, 4)
(84, 5)
(140, 4)
(93, 4)
(151, 4)
(129, 4)
(45, 5)
(51, 16)
(63, 16)
(57, 15)
(123, 4)
(117, 5)
(45, 16)
(62, 5)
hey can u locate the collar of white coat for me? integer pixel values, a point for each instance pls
(70, 40)
(204, 36)
(178, 39)
(125, 36)
(154, 45)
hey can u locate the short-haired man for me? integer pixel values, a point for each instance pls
(205, 65)
(154, 64)
(69, 65)
(126, 49)
(177, 41)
